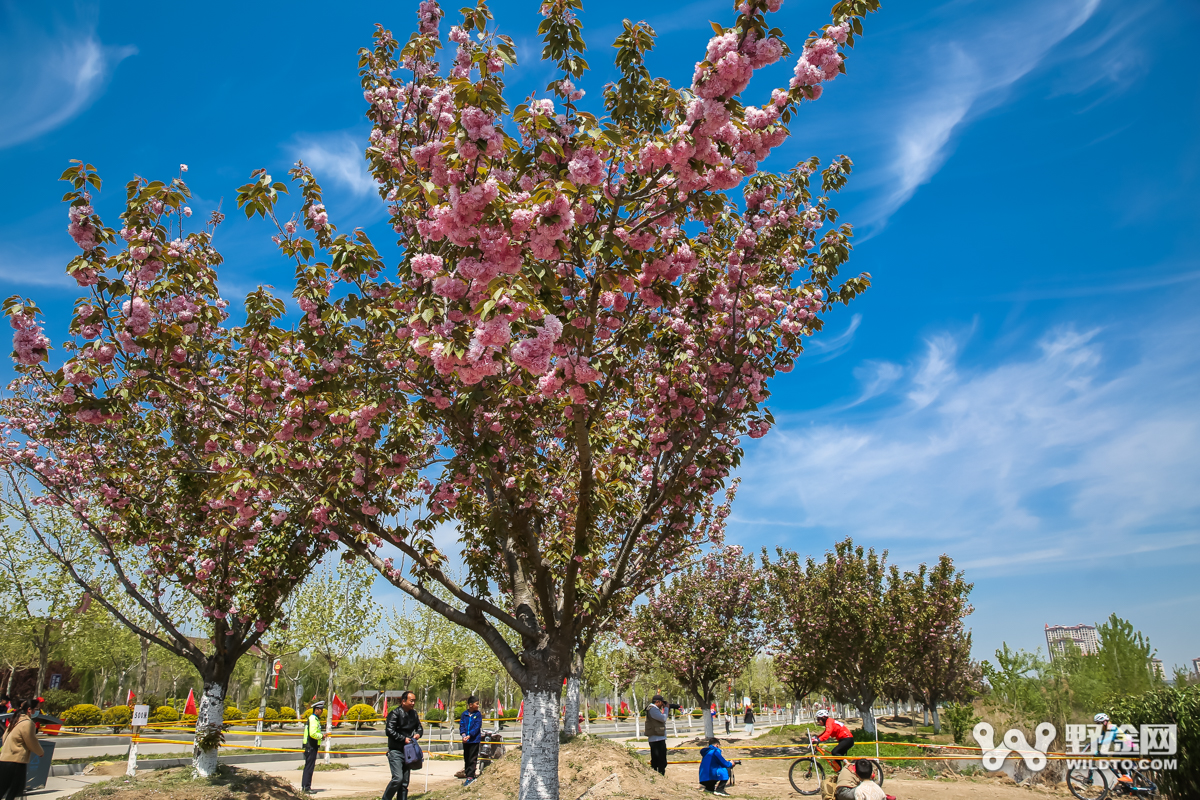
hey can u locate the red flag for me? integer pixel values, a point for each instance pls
(385, 705)
(440, 706)
(608, 710)
(129, 699)
(337, 708)
(499, 709)
(190, 708)
(521, 710)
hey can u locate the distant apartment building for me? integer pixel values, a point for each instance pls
(1083, 637)
(1196, 666)
(1156, 669)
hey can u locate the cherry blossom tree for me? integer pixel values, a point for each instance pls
(584, 319)
(850, 625)
(935, 655)
(703, 627)
(142, 446)
(786, 604)
(562, 361)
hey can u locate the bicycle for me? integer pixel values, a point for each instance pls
(1094, 783)
(807, 773)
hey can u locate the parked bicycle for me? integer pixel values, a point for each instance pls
(1093, 783)
(808, 773)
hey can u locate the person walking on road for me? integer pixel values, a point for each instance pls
(749, 720)
(311, 741)
(20, 744)
(728, 722)
(470, 727)
(403, 727)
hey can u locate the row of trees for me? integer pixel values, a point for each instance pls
(331, 634)
(1072, 686)
(851, 626)
(578, 328)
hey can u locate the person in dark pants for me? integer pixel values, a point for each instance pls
(838, 731)
(656, 732)
(20, 744)
(715, 768)
(403, 727)
(312, 743)
(470, 727)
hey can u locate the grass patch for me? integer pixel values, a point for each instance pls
(333, 766)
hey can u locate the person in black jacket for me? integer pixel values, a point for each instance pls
(403, 726)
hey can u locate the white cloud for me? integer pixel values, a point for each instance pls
(1086, 450)
(967, 69)
(337, 157)
(49, 77)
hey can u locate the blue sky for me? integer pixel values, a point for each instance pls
(1019, 387)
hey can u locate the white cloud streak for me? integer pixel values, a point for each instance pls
(49, 77)
(1086, 450)
(336, 157)
(977, 64)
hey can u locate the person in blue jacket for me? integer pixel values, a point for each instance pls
(470, 727)
(714, 768)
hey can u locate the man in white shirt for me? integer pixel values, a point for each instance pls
(858, 783)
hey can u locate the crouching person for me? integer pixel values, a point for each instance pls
(859, 784)
(714, 768)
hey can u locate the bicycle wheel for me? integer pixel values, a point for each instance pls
(1087, 784)
(806, 775)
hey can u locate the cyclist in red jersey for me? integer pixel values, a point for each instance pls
(838, 731)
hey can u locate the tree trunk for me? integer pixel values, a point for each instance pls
(43, 660)
(868, 719)
(570, 723)
(209, 718)
(262, 705)
(328, 714)
(539, 745)
(571, 714)
(924, 715)
(937, 723)
(143, 670)
(97, 691)
(706, 707)
(12, 672)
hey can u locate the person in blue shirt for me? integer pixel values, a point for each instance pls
(470, 726)
(714, 768)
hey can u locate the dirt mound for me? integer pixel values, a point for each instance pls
(177, 784)
(583, 763)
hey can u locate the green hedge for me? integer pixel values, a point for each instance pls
(1169, 706)
(117, 718)
(435, 715)
(164, 714)
(81, 716)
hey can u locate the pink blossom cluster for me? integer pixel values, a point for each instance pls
(429, 14)
(820, 61)
(534, 354)
(29, 342)
(586, 168)
(730, 62)
(81, 228)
